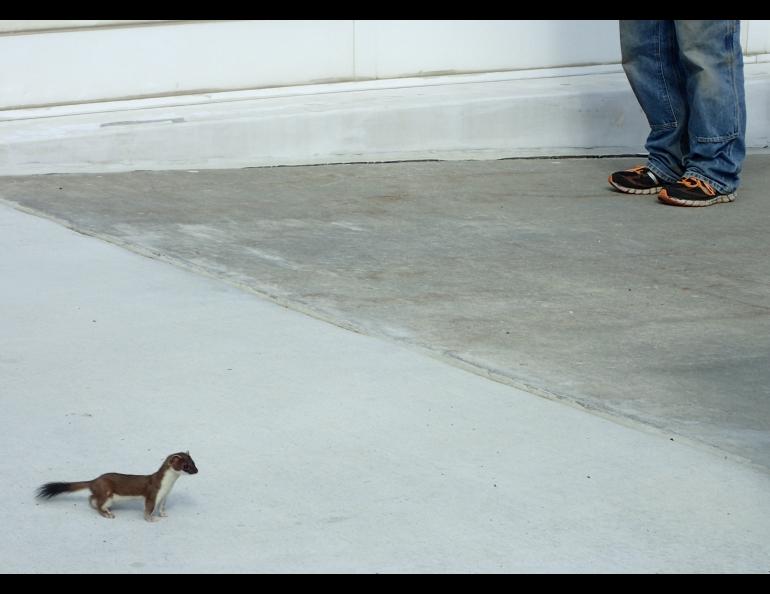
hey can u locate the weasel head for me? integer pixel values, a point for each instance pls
(182, 462)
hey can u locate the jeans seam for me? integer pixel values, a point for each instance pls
(666, 126)
(673, 124)
(727, 138)
(733, 66)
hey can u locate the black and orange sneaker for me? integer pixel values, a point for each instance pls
(691, 191)
(637, 180)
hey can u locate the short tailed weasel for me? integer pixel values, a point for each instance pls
(154, 488)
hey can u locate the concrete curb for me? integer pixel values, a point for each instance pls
(461, 117)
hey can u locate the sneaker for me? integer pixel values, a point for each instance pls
(691, 191)
(637, 180)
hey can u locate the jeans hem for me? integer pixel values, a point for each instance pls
(663, 175)
(721, 188)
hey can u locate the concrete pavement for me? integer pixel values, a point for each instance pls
(387, 448)
(531, 272)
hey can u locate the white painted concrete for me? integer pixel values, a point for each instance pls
(60, 62)
(97, 64)
(78, 64)
(469, 117)
(403, 48)
(757, 37)
(318, 449)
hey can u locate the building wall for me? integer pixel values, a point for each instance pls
(65, 62)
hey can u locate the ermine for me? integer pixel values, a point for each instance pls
(154, 488)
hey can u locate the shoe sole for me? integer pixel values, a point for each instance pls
(724, 198)
(638, 191)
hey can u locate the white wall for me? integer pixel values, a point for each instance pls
(757, 37)
(390, 49)
(61, 62)
(105, 60)
(82, 65)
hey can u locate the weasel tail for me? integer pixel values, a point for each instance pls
(53, 489)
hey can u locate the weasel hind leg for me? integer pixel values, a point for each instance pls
(102, 505)
(101, 497)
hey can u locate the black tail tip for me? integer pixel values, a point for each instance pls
(51, 490)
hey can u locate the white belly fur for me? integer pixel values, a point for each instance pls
(117, 498)
(166, 483)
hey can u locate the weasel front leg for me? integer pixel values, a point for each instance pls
(149, 507)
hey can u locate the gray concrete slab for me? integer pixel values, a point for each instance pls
(319, 449)
(530, 272)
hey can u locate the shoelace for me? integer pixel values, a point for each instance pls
(640, 168)
(694, 182)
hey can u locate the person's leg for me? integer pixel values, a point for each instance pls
(711, 56)
(651, 62)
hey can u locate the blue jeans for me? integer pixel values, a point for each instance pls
(688, 79)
